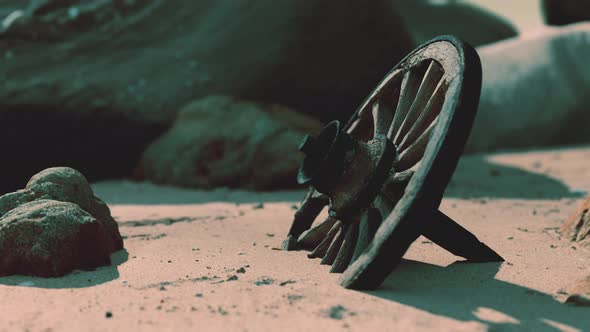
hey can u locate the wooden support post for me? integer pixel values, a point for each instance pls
(446, 233)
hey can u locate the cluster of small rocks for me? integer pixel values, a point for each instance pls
(55, 225)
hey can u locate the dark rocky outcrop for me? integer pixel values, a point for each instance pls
(563, 12)
(579, 292)
(534, 91)
(84, 83)
(426, 19)
(222, 141)
(55, 225)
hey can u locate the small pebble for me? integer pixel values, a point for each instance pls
(336, 312)
(264, 281)
(284, 283)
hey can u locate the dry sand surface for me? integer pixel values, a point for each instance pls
(199, 260)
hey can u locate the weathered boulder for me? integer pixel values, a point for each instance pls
(9, 6)
(579, 292)
(577, 226)
(562, 12)
(426, 19)
(535, 91)
(57, 208)
(222, 141)
(50, 238)
(92, 89)
(55, 19)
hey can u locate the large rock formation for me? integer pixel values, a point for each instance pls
(562, 12)
(55, 225)
(87, 82)
(221, 141)
(427, 19)
(535, 91)
(579, 292)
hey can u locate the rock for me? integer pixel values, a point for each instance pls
(562, 12)
(577, 227)
(51, 187)
(104, 88)
(535, 91)
(68, 185)
(49, 238)
(579, 292)
(426, 19)
(54, 19)
(221, 141)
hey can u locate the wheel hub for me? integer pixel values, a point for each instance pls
(349, 171)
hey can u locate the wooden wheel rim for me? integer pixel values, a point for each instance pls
(446, 134)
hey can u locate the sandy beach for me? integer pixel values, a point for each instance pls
(197, 260)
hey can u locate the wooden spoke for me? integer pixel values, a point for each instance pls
(382, 117)
(427, 116)
(354, 126)
(402, 177)
(414, 153)
(346, 250)
(394, 188)
(310, 208)
(362, 127)
(409, 87)
(383, 205)
(314, 236)
(332, 251)
(368, 225)
(322, 248)
(429, 82)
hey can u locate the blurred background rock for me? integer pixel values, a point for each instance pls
(97, 84)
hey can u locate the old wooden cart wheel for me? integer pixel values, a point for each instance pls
(383, 175)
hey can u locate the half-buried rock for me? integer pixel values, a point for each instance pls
(55, 225)
(221, 141)
(579, 293)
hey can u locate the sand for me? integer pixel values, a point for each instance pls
(198, 260)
